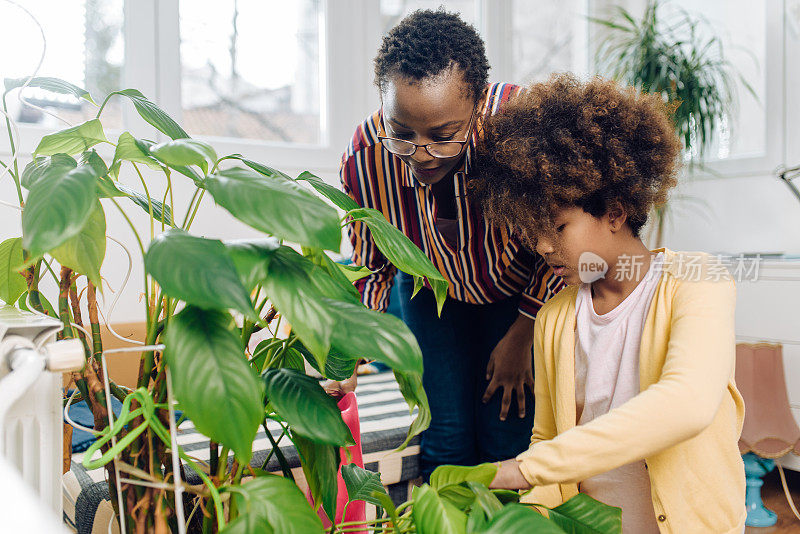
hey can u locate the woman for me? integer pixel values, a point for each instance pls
(411, 161)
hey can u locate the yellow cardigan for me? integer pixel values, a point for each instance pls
(686, 421)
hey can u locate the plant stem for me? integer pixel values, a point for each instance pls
(197, 206)
(15, 173)
(103, 105)
(94, 320)
(149, 203)
(189, 209)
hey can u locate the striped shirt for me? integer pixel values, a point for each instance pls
(487, 264)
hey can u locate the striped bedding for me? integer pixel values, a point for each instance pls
(384, 418)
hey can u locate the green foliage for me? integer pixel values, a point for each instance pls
(300, 401)
(672, 58)
(276, 502)
(276, 205)
(57, 208)
(12, 283)
(362, 484)
(203, 350)
(402, 253)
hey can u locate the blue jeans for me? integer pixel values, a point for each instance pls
(455, 352)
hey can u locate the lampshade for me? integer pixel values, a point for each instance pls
(770, 430)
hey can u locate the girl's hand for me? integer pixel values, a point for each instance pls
(509, 476)
(340, 389)
(511, 366)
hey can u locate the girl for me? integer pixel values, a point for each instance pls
(411, 160)
(635, 397)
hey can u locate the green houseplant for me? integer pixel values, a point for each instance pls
(669, 56)
(203, 300)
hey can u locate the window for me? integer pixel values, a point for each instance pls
(84, 46)
(548, 39)
(742, 26)
(393, 11)
(250, 69)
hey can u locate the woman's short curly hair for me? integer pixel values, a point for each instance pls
(568, 143)
(427, 43)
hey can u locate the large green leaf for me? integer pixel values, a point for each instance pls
(216, 387)
(320, 463)
(337, 367)
(345, 290)
(314, 302)
(277, 206)
(520, 519)
(161, 211)
(128, 150)
(108, 187)
(72, 140)
(446, 475)
(506, 496)
(198, 271)
(401, 252)
(145, 145)
(585, 515)
(434, 515)
(249, 523)
(54, 85)
(387, 504)
(414, 394)
(153, 114)
(57, 208)
(334, 194)
(300, 400)
(476, 520)
(12, 284)
(354, 272)
(259, 167)
(390, 341)
(290, 288)
(459, 495)
(43, 166)
(276, 501)
(185, 152)
(485, 499)
(362, 485)
(251, 257)
(85, 251)
(93, 159)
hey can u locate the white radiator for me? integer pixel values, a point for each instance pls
(31, 417)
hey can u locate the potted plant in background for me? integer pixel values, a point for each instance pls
(681, 58)
(203, 301)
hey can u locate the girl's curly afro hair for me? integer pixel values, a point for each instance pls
(570, 143)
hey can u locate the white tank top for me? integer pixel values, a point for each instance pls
(607, 376)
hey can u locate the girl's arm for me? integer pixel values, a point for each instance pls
(698, 367)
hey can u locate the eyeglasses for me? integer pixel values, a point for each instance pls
(439, 149)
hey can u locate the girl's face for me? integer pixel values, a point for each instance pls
(428, 111)
(575, 238)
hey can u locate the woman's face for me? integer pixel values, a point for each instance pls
(428, 111)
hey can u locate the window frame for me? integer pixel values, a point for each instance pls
(351, 35)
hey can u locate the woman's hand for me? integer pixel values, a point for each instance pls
(340, 389)
(511, 367)
(509, 476)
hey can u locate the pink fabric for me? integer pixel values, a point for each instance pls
(769, 427)
(356, 510)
